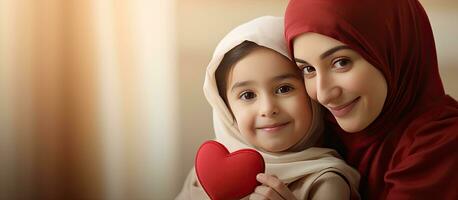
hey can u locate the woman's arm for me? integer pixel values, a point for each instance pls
(330, 186)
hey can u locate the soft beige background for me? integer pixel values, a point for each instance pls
(102, 99)
(202, 23)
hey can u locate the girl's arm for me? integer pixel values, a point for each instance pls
(330, 186)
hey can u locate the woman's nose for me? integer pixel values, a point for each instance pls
(327, 90)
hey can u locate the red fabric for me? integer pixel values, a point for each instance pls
(227, 176)
(410, 150)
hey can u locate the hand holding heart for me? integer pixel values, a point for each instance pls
(226, 176)
(272, 188)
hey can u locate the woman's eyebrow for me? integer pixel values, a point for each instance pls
(300, 61)
(333, 50)
(325, 54)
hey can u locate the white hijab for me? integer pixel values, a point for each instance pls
(288, 166)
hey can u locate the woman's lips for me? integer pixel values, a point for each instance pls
(342, 110)
(274, 127)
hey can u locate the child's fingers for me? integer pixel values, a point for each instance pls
(255, 196)
(265, 192)
(275, 184)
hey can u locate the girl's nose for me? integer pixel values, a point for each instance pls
(268, 107)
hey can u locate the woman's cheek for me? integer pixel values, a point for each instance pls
(311, 89)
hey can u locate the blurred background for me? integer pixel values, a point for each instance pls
(102, 99)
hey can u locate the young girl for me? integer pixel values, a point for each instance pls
(373, 65)
(259, 102)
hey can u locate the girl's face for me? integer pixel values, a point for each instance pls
(267, 97)
(341, 80)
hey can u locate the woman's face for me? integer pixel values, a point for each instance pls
(267, 96)
(352, 89)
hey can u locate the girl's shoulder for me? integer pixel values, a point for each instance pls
(330, 185)
(324, 185)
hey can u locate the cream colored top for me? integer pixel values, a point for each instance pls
(327, 185)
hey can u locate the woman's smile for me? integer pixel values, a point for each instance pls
(340, 111)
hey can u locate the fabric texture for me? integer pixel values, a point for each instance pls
(409, 151)
(287, 166)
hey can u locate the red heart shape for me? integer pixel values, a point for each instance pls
(227, 176)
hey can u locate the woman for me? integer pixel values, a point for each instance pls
(373, 65)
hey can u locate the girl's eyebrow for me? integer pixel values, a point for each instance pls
(241, 84)
(286, 76)
(325, 54)
(275, 79)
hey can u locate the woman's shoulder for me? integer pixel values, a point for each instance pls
(430, 134)
(426, 151)
(440, 120)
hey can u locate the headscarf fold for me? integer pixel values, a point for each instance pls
(303, 160)
(395, 36)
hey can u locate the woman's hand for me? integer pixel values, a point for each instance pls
(272, 188)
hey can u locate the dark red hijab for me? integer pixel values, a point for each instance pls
(410, 150)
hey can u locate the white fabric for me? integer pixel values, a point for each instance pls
(267, 31)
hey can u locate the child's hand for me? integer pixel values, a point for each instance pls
(271, 188)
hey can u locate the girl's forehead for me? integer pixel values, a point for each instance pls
(263, 61)
(258, 75)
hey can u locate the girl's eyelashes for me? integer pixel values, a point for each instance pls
(284, 89)
(247, 95)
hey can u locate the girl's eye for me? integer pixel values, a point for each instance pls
(247, 95)
(284, 89)
(340, 63)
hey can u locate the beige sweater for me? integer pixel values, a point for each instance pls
(325, 185)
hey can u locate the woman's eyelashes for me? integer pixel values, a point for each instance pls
(308, 70)
(340, 64)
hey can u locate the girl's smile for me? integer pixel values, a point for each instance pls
(273, 128)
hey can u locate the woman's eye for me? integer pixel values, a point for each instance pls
(284, 89)
(247, 95)
(342, 63)
(307, 70)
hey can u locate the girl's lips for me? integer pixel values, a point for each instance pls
(342, 110)
(274, 127)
